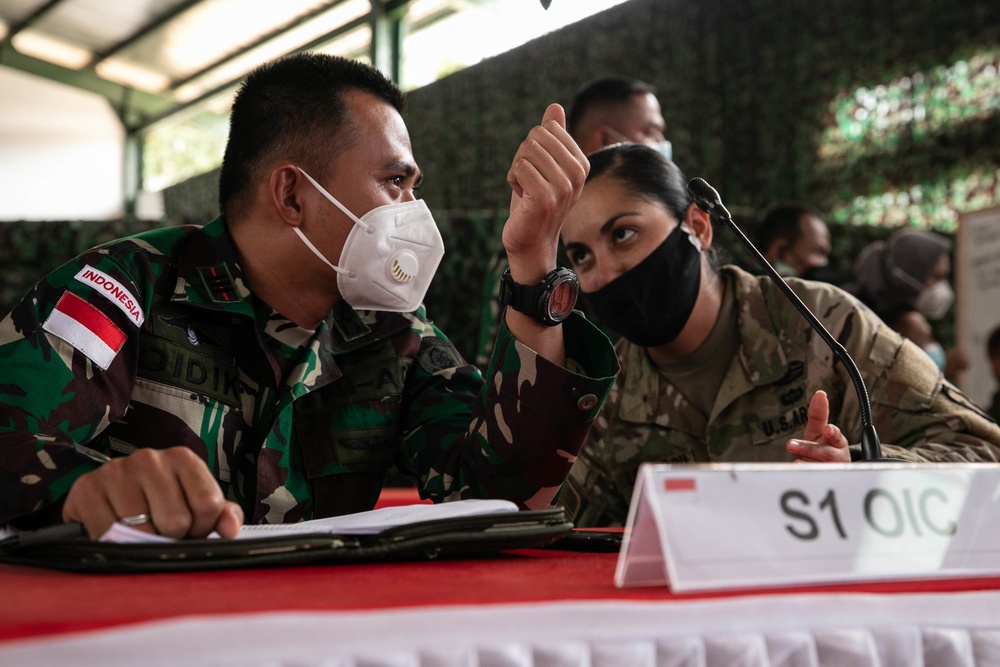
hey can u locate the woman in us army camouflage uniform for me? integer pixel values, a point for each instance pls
(717, 365)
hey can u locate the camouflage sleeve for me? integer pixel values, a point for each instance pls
(529, 419)
(490, 311)
(594, 494)
(67, 362)
(918, 415)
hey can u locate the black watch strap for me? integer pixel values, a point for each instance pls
(550, 301)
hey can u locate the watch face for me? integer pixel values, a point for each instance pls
(563, 299)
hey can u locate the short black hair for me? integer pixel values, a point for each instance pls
(293, 108)
(782, 221)
(608, 90)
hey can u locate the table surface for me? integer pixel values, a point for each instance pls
(559, 605)
(43, 602)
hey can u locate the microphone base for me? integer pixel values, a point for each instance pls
(858, 457)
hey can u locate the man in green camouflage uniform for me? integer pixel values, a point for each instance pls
(755, 383)
(154, 375)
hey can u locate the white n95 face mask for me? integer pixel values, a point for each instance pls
(935, 301)
(389, 257)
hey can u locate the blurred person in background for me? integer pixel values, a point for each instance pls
(904, 279)
(616, 109)
(793, 237)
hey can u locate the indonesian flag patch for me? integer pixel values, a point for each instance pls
(86, 328)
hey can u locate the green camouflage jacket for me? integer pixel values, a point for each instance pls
(781, 362)
(156, 341)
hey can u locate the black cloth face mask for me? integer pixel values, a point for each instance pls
(650, 303)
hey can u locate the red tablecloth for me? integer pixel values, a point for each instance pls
(38, 602)
(47, 615)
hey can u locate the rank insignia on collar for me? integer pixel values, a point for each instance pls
(218, 283)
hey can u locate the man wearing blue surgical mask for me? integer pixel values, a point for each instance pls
(796, 241)
(616, 109)
(275, 363)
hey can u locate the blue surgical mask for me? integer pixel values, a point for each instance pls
(936, 352)
(664, 148)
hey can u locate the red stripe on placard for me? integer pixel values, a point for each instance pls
(679, 484)
(93, 319)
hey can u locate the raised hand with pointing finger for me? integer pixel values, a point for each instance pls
(821, 441)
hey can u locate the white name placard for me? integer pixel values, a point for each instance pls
(721, 526)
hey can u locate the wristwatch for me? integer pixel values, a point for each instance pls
(550, 302)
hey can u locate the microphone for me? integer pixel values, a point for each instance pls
(708, 200)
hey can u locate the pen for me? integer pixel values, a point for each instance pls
(92, 454)
(57, 533)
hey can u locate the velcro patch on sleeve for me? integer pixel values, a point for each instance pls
(86, 328)
(113, 291)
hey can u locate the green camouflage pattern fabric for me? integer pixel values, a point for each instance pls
(294, 424)
(781, 362)
(489, 314)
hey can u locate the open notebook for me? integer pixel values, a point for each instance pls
(461, 528)
(360, 523)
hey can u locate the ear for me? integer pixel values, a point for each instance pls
(596, 138)
(779, 248)
(699, 224)
(605, 136)
(285, 192)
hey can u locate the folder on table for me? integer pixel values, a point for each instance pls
(462, 528)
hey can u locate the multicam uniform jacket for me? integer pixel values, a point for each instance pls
(156, 341)
(780, 363)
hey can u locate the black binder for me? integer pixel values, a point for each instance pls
(453, 537)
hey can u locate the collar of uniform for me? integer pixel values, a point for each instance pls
(351, 329)
(208, 274)
(647, 398)
(760, 351)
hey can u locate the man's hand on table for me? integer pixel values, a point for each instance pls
(173, 487)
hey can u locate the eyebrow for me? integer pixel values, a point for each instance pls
(605, 228)
(409, 169)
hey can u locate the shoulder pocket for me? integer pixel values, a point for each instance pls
(910, 379)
